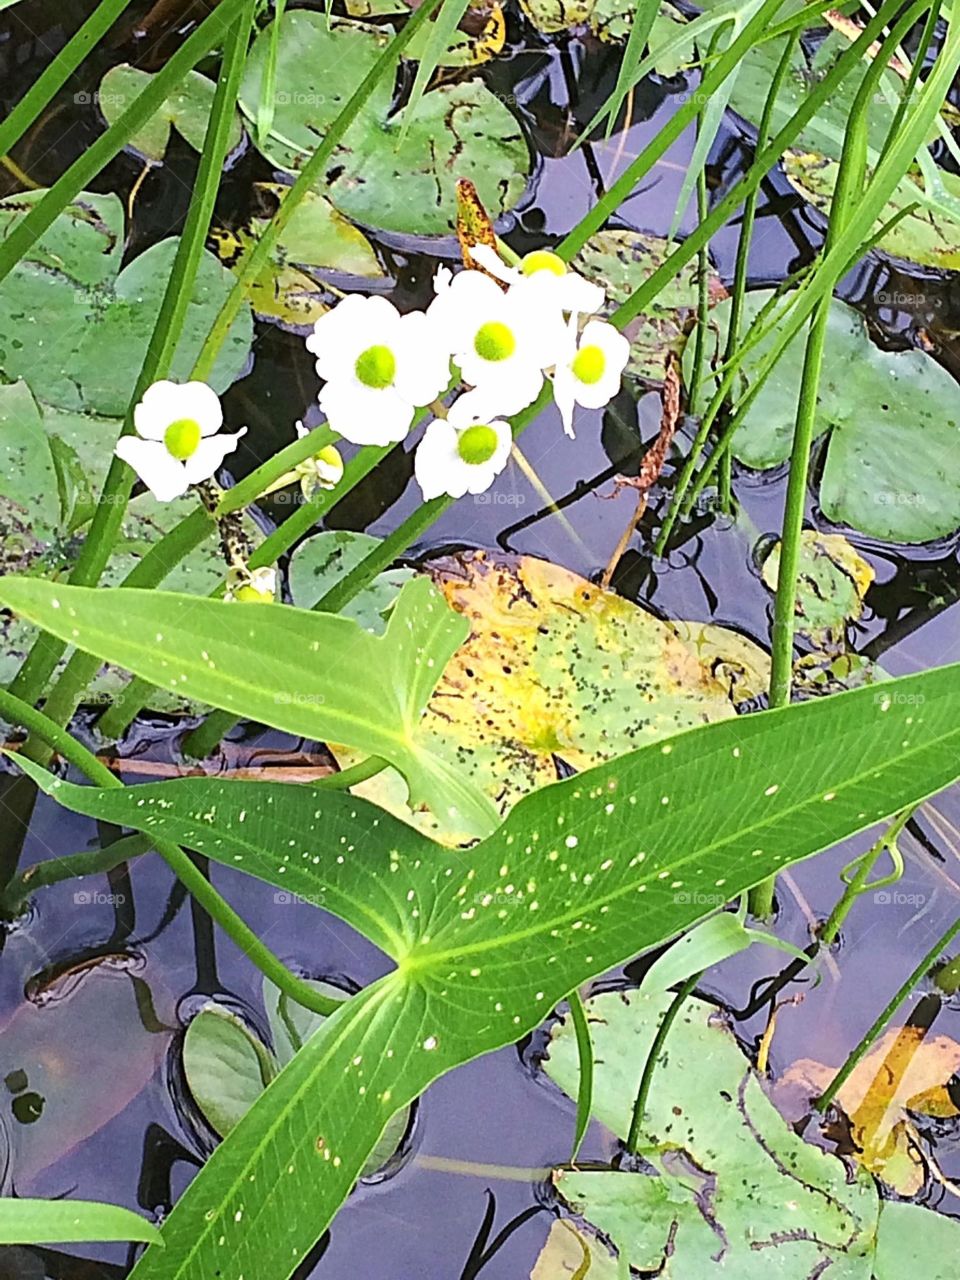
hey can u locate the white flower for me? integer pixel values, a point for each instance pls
(253, 586)
(176, 444)
(378, 366)
(545, 271)
(590, 372)
(501, 341)
(459, 454)
(323, 470)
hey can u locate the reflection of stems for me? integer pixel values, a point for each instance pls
(860, 1051)
(643, 1092)
(16, 711)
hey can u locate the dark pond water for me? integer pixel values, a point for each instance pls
(104, 1114)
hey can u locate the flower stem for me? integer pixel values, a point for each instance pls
(646, 1079)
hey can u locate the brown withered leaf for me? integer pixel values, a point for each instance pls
(473, 225)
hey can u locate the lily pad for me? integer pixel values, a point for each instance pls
(927, 236)
(77, 332)
(892, 421)
(552, 16)
(557, 674)
(227, 1066)
(187, 110)
(321, 561)
(316, 237)
(569, 1254)
(733, 1186)
(834, 578)
(621, 261)
(457, 131)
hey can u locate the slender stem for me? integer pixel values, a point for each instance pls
(87, 862)
(581, 1028)
(344, 779)
(42, 92)
(249, 266)
(858, 883)
(112, 504)
(249, 489)
(16, 711)
(837, 1083)
(646, 1079)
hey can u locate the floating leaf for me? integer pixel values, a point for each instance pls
(734, 1185)
(316, 676)
(457, 131)
(227, 1067)
(317, 236)
(555, 674)
(466, 48)
(552, 16)
(579, 878)
(833, 579)
(927, 236)
(893, 420)
(621, 261)
(29, 493)
(187, 110)
(913, 1240)
(77, 333)
(567, 1253)
(324, 559)
(906, 1071)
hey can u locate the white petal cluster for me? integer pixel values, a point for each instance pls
(178, 441)
(500, 331)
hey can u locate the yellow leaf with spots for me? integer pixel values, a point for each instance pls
(558, 675)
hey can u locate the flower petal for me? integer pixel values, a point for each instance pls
(365, 415)
(490, 260)
(437, 465)
(164, 476)
(355, 323)
(209, 455)
(423, 363)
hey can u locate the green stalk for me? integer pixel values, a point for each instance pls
(15, 711)
(858, 883)
(257, 257)
(112, 505)
(99, 154)
(581, 1028)
(33, 676)
(53, 77)
(646, 1079)
(88, 862)
(249, 489)
(838, 1081)
(850, 178)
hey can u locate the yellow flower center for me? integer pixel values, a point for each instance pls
(542, 260)
(376, 367)
(252, 595)
(182, 437)
(588, 364)
(494, 341)
(477, 445)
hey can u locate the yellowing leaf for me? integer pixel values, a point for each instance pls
(557, 674)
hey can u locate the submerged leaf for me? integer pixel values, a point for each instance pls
(834, 578)
(568, 1255)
